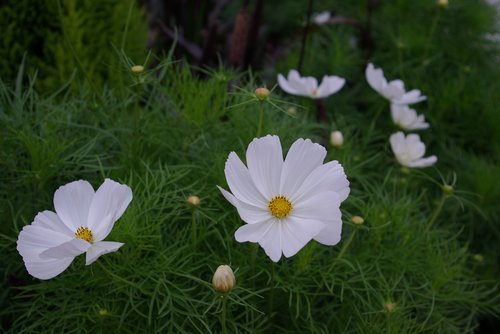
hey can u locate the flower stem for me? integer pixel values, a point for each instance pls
(431, 34)
(193, 230)
(304, 35)
(223, 316)
(261, 117)
(437, 211)
(270, 304)
(346, 245)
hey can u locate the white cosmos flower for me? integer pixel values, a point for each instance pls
(83, 218)
(393, 90)
(409, 150)
(407, 118)
(308, 86)
(321, 18)
(287, 203)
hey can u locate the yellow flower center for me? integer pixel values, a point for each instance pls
(280, 206)
(85, 234)
(315, 92)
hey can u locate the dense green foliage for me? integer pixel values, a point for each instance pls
(425, 261)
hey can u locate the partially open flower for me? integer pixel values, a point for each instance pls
(193, 200)
(287, 203)
(336, 138)
(224, 280)
(137, 69)
(308, 86)
(409, 150)
(83, 218)
(407, 118)
(262, 93)
(394, 90)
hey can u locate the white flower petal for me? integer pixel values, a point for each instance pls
(108, 205)
(297, 232)
(319, 206)
(34, 239)
(72, 202)
(411, 97)
(101, 248)
(424, 162)
(271, 241)
(329, 85)
(397, 141)
(303, 157)
(228, 196)
(47, 269)
(253, 232)
(309, 87)
(71, 248)
(327, 177)
(286, 85)
(265, 161)
(375, 78)
(241, 184)
(331, 233)
(50, 220)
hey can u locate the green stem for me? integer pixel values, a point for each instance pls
(270, 304)
(346, 245)
(431, 34)
(193, 231)
(261, 117)
(437, 211)
(224, 314)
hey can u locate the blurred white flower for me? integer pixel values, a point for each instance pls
(83, 218)
(393, 90)
(321, 18)
(407, 118)
(336, 138)
(308, 86)
(287, 203)
(409, 150)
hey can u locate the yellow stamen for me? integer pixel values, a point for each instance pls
(280, 206)
(85, 234)
(315, 92)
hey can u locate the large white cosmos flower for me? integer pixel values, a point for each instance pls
(407, 118)
(409, 150)
(83, 218)
(308, 86)
(287, 203)
(393, 90)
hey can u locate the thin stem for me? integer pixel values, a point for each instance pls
(431, 34)
(224, 314)
(437, 211)
(270, 304)
(261, 117)
(304, 35)
(193, 230)
(346, 245)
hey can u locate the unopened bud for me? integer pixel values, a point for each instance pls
(443, 3)
(103, 312)
(357, 220)
(292, 111)
(224, 280)
(262, 93)
(336, 139)
(137, 69)
(478, 258)
(193, 200)
(447, 189)
(390, 307)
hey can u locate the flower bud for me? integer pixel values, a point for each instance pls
(224, 280)
(336, 138)
(357, 220)
(292, 111)
(478, 258)
(443, 3)
(137, 69)
(193, 200)
(390, 307)
(447, 189)
(262, 93)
